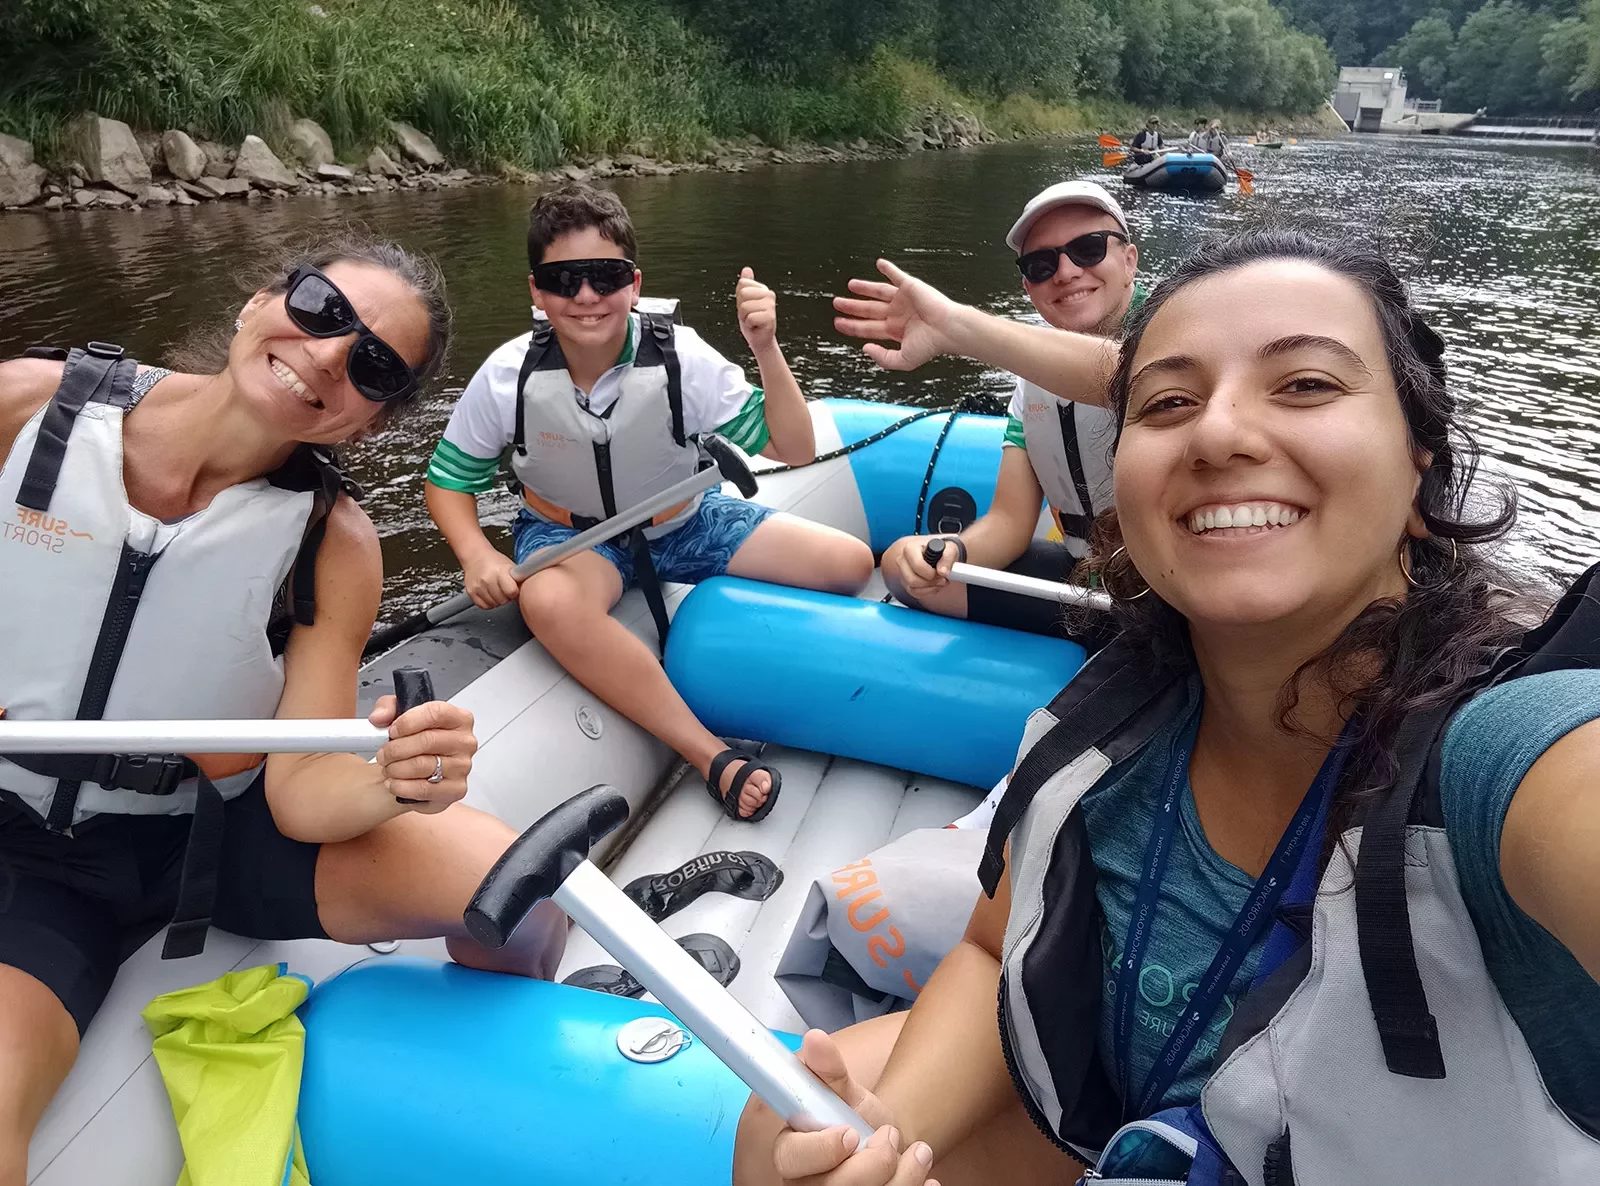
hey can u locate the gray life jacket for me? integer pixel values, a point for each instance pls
(1069, 447)
(580, 467)
(111, 614)
(1381, 1046)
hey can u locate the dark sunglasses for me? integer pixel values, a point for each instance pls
(1086, 251)
(566, 278)
(317, 307)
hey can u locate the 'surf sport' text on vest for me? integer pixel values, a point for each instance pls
(1069, 447)
(107, 613)
(1380, 1051)
(584, 467)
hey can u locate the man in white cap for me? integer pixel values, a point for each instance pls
(1077, 264)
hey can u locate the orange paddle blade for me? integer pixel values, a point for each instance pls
(1112, 159)
(1109, 141)
(1247, 181)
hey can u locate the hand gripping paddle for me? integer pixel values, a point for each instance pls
(1011, 582)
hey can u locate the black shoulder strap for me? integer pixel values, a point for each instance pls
(1406, 1026)
(1083, 521)
(98, 373)
(542, 348)
(318, 471)
(656, 340)
(1115, 703)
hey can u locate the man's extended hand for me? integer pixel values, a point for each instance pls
(904, 310)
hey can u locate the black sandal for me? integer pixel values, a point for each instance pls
(730, 801)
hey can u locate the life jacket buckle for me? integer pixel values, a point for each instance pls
(146, 774)
(105, 350)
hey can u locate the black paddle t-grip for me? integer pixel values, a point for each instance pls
(412, 686)
(730, 463)
(933, 552)
(541, 859)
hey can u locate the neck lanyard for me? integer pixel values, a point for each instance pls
(1256, 913)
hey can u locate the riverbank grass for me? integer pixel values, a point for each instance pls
(495, 83)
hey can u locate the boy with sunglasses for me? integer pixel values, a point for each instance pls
(602, 407)
(1077, 264)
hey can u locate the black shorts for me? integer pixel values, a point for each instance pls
(72, 908)
(1044, 559)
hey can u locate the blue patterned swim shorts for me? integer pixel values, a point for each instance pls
(695, 552)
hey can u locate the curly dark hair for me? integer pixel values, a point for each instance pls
(577, 208)
(1398, 656)
(206, 352)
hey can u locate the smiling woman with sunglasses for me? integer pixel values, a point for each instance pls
(182, 546)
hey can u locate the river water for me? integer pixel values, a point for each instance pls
(1502, 242)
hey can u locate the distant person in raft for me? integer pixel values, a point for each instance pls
(602, 406)
(1208, 137)
(1077, 263)
(1147, 142)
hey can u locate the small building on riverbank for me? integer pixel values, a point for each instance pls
(1368, 97)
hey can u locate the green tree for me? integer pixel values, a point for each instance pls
(1498, 56)
(1424, 54)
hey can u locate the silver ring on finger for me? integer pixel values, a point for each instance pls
(438, 770)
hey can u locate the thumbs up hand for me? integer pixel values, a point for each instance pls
(758, 311)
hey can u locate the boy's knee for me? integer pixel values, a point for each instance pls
(548, 599)
(846, 567)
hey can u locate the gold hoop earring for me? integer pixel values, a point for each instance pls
(1405, 567)
(1121, 551)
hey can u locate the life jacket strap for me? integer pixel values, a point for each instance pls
(144, 774)
(197, 884)
(99, 373)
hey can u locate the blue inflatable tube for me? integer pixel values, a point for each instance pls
(862, 679)
(419, 1074)
(890, 473)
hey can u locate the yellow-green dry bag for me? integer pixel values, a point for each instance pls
(230, 1052)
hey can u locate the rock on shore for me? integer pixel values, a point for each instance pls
(184, 158)
(21, 181)
(309, 144)
(110, 154)
(260, 166)
(417, 145)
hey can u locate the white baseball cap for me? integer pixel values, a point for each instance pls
(1063, 193)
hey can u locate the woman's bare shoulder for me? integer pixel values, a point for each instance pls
(25, 385)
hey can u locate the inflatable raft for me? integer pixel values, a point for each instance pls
(883, 720)
(1189, 172)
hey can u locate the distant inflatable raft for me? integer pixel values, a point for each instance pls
(1189, 172)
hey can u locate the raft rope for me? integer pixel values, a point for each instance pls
(887, 431)
(957, 409)
(933, 460)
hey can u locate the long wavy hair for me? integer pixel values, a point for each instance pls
(206, 351)
(1399, 656)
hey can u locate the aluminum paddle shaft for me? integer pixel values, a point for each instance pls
(1011, 582)
(190, 737)
(550, 860)
(354, 736)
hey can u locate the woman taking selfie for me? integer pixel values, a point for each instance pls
(1304, 869)
(182, 547)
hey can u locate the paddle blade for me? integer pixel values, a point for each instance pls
(1112, 159)
(1247, 181)
(1109, 141)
